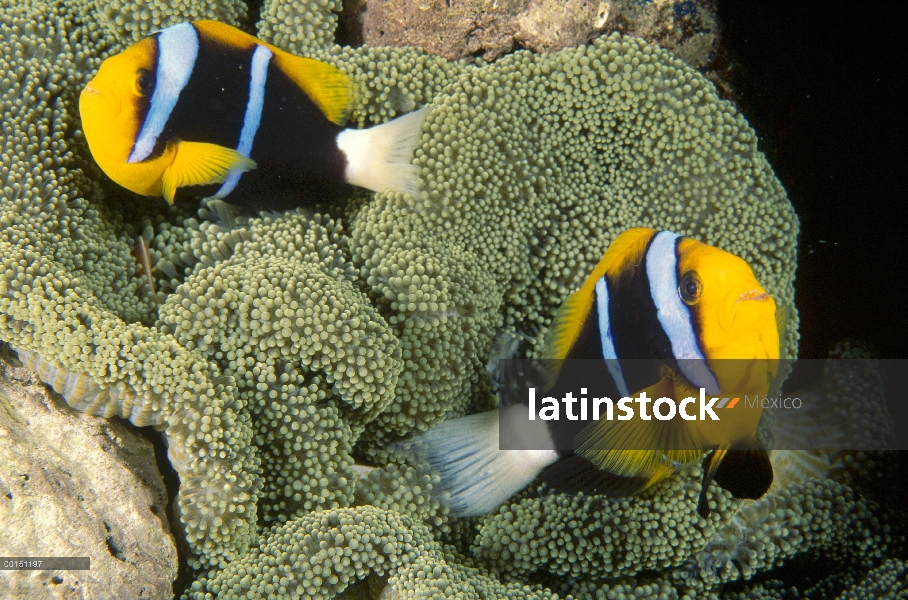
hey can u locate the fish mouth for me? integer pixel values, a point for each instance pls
(757, 294)
(96, 98)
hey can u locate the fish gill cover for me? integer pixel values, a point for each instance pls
(285, 344)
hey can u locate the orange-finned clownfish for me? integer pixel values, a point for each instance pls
(686, 306)
(202, 109)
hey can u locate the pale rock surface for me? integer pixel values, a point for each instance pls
(77, 485)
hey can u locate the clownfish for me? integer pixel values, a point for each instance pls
(204, 110)
(686, 307)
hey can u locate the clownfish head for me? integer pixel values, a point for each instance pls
(735, 316)
(113, 106)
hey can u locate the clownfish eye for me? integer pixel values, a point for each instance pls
(690, 288)
(144, 81)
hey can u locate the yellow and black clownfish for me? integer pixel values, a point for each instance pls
(202, 109)
(688, 308)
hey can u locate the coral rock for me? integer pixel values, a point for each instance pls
(488, 28)
(72, 484)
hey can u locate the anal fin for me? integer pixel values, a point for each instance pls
(579, 474)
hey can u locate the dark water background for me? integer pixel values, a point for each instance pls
(823, 85)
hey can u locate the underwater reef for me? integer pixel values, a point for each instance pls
(281, 352)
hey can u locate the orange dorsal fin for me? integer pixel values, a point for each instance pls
(567, 323)
(569, 318)
(226, 34)
(327, 86)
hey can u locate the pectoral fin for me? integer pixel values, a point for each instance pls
(198, 163)
(783, 316)
(638, 448)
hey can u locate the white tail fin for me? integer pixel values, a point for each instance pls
(477, 476)
(379, 158)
